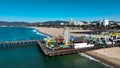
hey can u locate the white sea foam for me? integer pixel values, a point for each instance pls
(34, 30)
(42, 34)
(91, 58)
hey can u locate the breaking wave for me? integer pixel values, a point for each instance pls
(41, 34)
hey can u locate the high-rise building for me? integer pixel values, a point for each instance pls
(70, 21)
(100, 23)
(103, 22)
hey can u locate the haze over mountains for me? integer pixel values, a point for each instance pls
(57, 22)
(6, 23)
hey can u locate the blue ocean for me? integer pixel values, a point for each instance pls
(31, 56)
(19, 33)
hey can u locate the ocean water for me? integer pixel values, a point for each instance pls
(19, 33)
(30, 56)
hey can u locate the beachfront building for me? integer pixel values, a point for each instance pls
(79, 23)
(111, 22)
(62, 23)
(118, 23)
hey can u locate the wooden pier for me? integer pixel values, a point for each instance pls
(71, 50)
(17, 43)
(48, 52)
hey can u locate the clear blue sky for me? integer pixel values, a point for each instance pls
(44, 10)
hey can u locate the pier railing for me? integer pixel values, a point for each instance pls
(71, 50)
(48, 52)
(17, 43)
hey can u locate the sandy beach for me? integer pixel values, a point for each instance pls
(59, 31)
(110, 56)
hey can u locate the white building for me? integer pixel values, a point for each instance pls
(104, 22)
(78, 23)
(71, 21)
(61, 23)
(118, 23)
(111, 22)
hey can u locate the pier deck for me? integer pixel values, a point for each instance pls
(71, 50)
(17, 43)
(49, 52)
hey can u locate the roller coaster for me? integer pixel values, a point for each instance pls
(106, 38)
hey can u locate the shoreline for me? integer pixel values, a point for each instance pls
(47, 35)
(59, 31)
(94, 59)
(113, 62)
(105, 59)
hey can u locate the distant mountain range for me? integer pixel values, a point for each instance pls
(5, 23)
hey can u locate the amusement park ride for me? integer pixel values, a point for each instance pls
(59, 42)
(67, 41)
